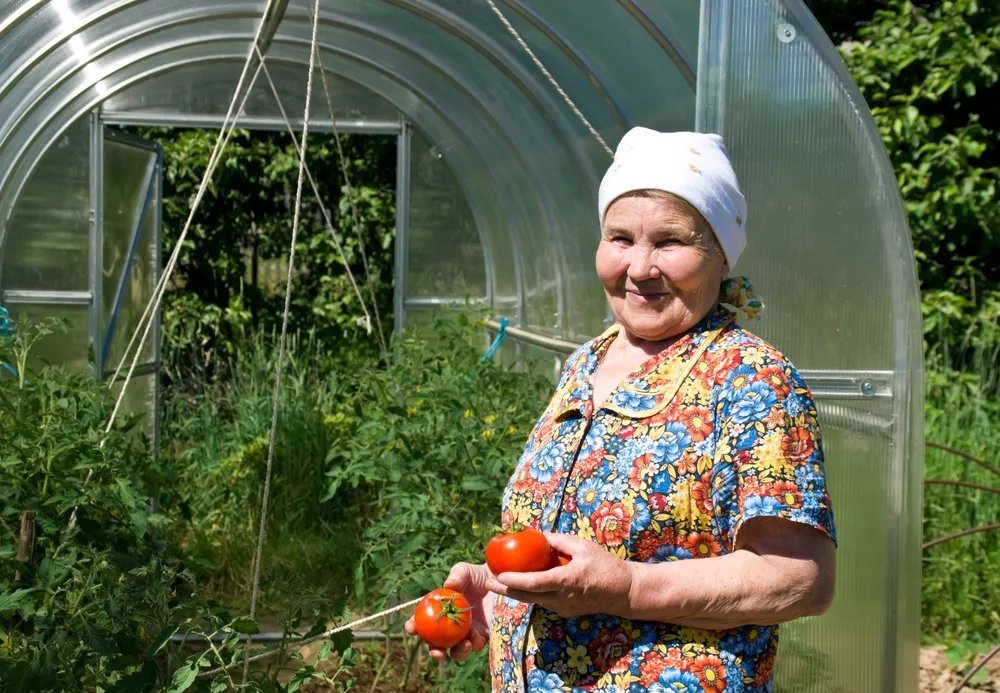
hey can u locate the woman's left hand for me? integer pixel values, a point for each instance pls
(594, 581)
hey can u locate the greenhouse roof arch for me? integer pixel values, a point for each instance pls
(497, 196)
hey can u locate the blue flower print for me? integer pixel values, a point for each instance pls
(538, 680)
(795, 405)
(676, 681)
(613, 490)
(672, 443)
(635, 448)
(754, 403)
(640, 515)
(747, 439)
(548, 461)
(660, 483)
(670, 552)
(594, 440)
(551, 650)
(588, 495)
(753, 640)
(632, 401)
(582, 629)
(763, 506)
(806, 476)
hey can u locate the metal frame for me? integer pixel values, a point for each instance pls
(402, 241)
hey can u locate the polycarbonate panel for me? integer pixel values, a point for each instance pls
(48, 242)
(440, 218)
(131, 186)
(829, 252)
(141, 398)
(67, 348)
(848, 648)
(529, 167)
(200, 89)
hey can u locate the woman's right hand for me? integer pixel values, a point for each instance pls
(470, 580)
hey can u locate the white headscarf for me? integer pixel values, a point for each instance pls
(691, 165)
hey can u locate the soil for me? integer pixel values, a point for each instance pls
(937, 675)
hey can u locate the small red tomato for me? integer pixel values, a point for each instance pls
(558, 559)
(519, 550)
(443, 618)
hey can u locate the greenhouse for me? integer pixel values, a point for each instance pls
(504, 117)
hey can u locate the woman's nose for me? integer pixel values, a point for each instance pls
(641, 265)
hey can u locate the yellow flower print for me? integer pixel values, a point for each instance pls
(578, 658)
(583, 528)
(753, 357)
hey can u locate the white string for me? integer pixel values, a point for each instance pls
(153, 305)
(552, 80)
(355, 217)
(305, 641)
(276, 400)
(326, 215)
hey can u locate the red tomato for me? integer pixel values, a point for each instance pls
(442, 618)
(558, 559)
(520, 550)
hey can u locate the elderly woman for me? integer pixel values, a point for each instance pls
(678, 464)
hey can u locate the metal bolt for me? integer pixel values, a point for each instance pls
(786, 33)
(868, 388)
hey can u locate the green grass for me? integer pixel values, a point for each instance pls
(961, 579)
(216, 440)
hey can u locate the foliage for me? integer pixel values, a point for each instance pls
(234, 259)
(959, 589)
(216, 437)
(87, 610)
(384, 475)
(929, 72)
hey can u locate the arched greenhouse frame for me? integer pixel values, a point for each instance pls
(496, 194)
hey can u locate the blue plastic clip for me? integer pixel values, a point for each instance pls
(497, 341)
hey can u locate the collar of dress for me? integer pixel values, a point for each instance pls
(648, 389)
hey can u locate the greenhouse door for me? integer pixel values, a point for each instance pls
(126, 264)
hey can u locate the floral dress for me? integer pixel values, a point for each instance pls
(657, 476)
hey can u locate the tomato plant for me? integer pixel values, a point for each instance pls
(443, 618)
(519, 550)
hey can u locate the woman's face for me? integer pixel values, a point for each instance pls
(660, 266)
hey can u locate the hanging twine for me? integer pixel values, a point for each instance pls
(552, 80)
(306, 641)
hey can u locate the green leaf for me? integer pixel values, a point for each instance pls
(183, 678)
(245, 625)
(13, 601)
(162, 638)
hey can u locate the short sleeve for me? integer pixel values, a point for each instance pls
(769, 452)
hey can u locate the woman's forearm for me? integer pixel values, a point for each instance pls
(727, 591)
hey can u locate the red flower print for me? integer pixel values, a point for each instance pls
(702, 544)
(610, 523)
(710, 671)
(797, 444)
(787, 492)
(776, 378)
(643, 469)
(750, 487)
(701, 493)
(657, 502)
(765, 667)
(698, 421)
(652, 665)
(608, 650)
(649, 542)
(674, 657)
(741, 459)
